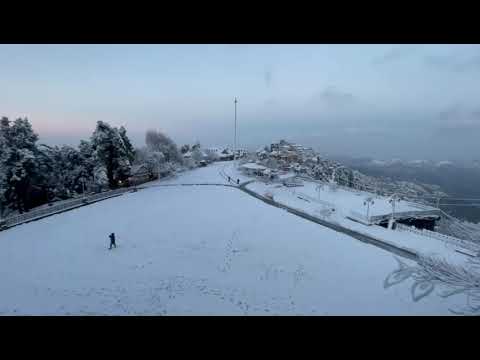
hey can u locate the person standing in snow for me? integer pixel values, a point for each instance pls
(238, 181)
(112, 241)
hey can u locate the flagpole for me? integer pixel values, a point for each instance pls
(235, 138)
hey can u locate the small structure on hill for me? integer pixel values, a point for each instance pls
(253, 169)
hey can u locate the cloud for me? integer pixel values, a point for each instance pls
(458, 119)
(270, 102)
(332, 98)
(395, 54)
(366, 131)
(454, 62)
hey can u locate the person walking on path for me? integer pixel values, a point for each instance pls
(229, 179)
(238, 181)
(112, 241)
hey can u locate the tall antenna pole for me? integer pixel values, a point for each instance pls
(235, 139)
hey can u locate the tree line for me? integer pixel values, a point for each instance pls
(33, 174)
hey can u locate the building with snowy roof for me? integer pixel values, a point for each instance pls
(253, 169)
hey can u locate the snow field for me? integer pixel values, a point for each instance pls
(195, 250)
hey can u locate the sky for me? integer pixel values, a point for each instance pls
(382, 101)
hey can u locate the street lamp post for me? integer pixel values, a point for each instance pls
(394, 198)
(319, 189)
(235, 136)
(367, 202)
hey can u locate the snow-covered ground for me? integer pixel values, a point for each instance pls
(194, 250)
(216, 173)
(354, 200)
(294, 197)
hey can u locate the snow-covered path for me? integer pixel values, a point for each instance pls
(215, 173)
(195, 250)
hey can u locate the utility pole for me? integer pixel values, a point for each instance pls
(235, 138)
(394, 198)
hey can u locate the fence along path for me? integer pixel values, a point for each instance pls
(445, 238)
(54, 209)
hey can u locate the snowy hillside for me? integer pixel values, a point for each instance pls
(189, 250)
(284, 156)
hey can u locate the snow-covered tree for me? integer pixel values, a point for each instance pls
(20, 178)
(100, 177)
(157, 141)
(19, 134)
(197, 154)
(31, 175)
(185, 148)
(130, 150)
(49, 165)
(19, 170)
(86, 151)
(156, 162)
(110, 154)
(4, 154)
(196, 146)
(140, 155)
(65, 170)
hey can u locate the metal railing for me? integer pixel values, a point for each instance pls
(50, 210)
(445, 238)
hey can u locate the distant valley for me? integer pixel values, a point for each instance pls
(459, 180)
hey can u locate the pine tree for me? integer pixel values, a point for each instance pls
(86, 151)
(110, 154)
(128, 145)
(4, 154)
(19, 165)
(47, 165)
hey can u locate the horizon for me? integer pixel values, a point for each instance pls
(347, 100)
